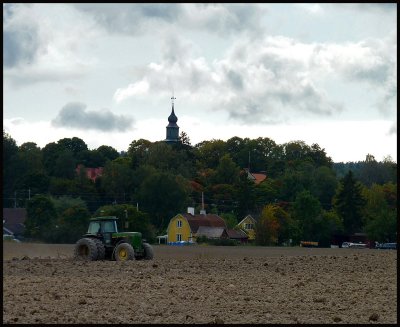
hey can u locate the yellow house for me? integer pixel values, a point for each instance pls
(248, 225)
(184, 226)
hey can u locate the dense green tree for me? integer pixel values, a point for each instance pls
(327, 225)
(306, 210)
(10, 147)
(91, 158)
(73, 219)
(75, 145)
(227, 172)
(288, 227)
(349, 203)
(324, 186)
(65, 165)
(222, 196)
(246, 196)
(210, 152)
(380, 217)
(267, 192)
(41, 218)
(117, 179)
(108, 152)
(31, 158)
(50, 154)
(138, 152)
(161, 156)
(10, 164)
(34, 183)
(267, 226)
(230, 219)
(162, 195)
(319, 156)
(296, 179)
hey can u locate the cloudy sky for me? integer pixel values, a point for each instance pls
(319, 73)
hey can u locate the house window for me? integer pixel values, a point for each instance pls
(178, 237)
(179, 223)
(248, 226)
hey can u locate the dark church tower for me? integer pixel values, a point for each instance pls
(172, 128)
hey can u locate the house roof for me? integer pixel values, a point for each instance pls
(255, 177)
(210, 232)
(14, 219)
(208, 220)
(259, 177)
(248, 216)
(91, 173)
(236, 234)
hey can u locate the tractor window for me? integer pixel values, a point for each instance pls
(94, 227)
(109, 227)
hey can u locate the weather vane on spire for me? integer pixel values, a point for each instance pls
(173, 98)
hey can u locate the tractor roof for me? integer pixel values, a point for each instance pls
(104, 218)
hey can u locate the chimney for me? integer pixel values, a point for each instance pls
(202, 212)
(190, 210)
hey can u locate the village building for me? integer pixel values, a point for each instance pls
(247, 225)
(91, 173)
(187, 227)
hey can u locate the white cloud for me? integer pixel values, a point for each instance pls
(41, 47)
(312, 8)
(271, 79)
(137, 88)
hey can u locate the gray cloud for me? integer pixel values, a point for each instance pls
(137, 18)
(20, 44)
(235, 79)
(74, 115)
(393, 129)
(391, 7)
(130, 18)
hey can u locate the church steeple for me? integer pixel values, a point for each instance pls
(172, 128)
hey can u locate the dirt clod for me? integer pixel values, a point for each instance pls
(374, 317)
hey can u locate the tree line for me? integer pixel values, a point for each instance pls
(306, 196)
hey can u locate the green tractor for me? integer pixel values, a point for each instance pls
(103, 242)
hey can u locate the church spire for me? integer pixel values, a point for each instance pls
(172, 128)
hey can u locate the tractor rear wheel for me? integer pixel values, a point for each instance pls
(85, 249)
(148, 251)
(124, 251)
(101, 250)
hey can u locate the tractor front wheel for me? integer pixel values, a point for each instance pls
(124, 251)
(85, 249)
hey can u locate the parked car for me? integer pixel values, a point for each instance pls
(389, 246)
(354, 245)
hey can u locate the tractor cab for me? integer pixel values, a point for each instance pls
(103, 227)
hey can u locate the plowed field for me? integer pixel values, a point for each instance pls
(200, 284)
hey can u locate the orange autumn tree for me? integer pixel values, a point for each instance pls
(267, 227)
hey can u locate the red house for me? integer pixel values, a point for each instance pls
(91, 173)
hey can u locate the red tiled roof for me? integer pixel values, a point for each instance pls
(91, 173)
(208, 220)
(259, 177)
